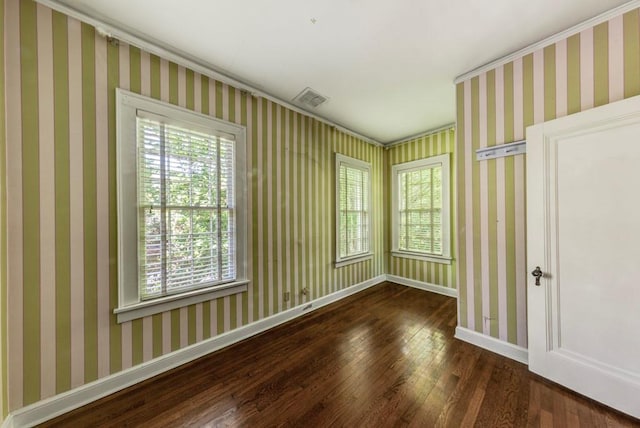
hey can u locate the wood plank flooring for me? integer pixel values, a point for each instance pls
(385, 357)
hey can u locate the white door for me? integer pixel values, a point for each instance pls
(583, 231)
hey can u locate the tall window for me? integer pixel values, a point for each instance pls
(420, 216)
(353, 209)
(186, 207)
(181, 220)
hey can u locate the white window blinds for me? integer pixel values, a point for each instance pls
(353, 209)
(420, 210)
(186, 207)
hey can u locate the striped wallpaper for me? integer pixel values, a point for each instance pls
(3, 234)
(60, 282)
(420, 148)
(60, 86)
(594, 67)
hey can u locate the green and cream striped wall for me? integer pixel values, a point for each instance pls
(60, 88)
(423, 147)
(3, 235)
(593, 67)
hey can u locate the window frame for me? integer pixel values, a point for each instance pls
(130, 305)
(445, 161)
(362, 165)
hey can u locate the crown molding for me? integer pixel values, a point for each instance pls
(450, 126)
(129, 36)
(605, 16)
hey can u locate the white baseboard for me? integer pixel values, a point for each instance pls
(8, 422)
(439, 289)
(47, 409)
(492, 344)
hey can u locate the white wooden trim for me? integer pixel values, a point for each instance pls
(351, 260)
(423, 257)
(175, 301)
(492, 344)
(589, 23)
(44, 410)
(132, 37)
(8, 422)
(433, 288)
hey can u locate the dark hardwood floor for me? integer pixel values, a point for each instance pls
(384, 357)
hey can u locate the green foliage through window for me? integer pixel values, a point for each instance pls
(186, 208)
(420, 210)
(353, 209)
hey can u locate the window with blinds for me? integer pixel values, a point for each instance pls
(420, 228)
(182, 209)
(353, 190)
(420, 208)
(186, 207)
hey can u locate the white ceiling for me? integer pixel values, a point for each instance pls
(386, 66)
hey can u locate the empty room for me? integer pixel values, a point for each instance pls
(320, 214)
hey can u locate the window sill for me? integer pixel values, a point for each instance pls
(167, 303)
(356, 259)
(427, 258)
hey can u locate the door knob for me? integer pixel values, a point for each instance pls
(537, 273)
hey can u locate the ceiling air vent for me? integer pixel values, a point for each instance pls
(309, 98)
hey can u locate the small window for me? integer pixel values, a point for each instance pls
(420, 214)
(353, 210)
(181, 206)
